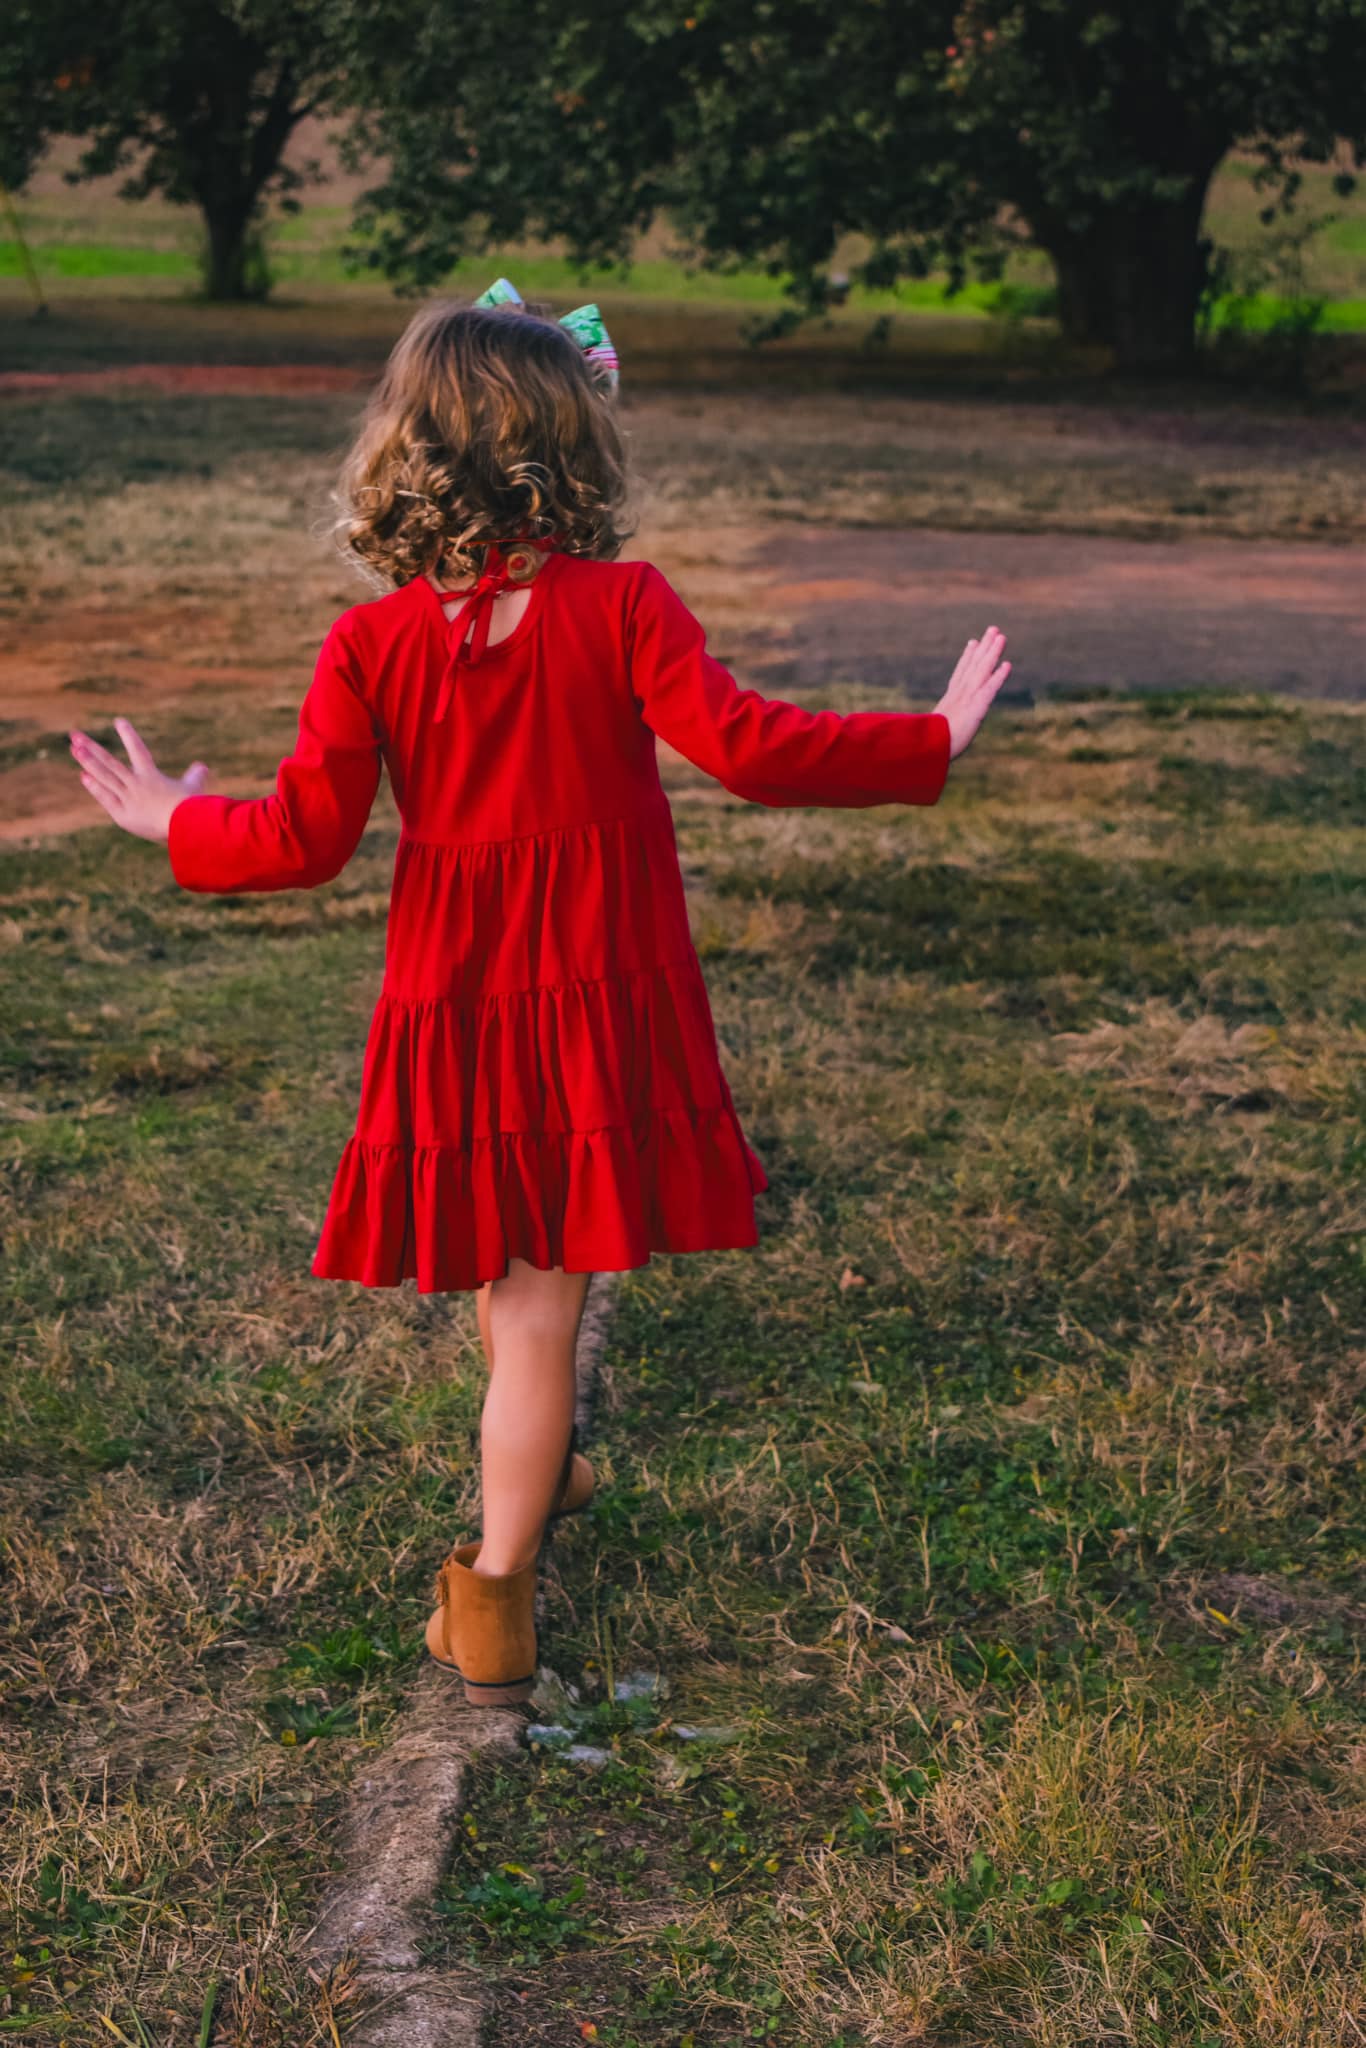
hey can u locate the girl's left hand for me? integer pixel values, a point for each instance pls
(138, 797)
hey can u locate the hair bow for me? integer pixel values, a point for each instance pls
(585, 323)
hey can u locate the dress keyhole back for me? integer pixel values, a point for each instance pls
(509, 609)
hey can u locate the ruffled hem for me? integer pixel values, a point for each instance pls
(589, 1201)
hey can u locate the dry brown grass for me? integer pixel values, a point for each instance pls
(1004, 1504)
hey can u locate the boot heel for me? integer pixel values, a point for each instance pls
(514, 1695)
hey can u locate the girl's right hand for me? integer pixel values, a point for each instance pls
(972, 686)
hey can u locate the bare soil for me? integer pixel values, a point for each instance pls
(77, 665)
(791, 603)
(1081, 612)
(798, 607)
(210, 380)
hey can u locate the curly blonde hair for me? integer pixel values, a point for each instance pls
(487, 424)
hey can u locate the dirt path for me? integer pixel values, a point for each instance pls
(894, 606)
(798, 607)
(790, 605)
(80, 663)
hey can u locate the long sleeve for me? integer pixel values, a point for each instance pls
(761, 748)
(307, 831)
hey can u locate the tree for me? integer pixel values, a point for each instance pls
(35, 87)
(1104, 128)
(772, 128)
(198, 99)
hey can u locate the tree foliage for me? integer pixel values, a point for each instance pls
(1103, 127)
(771, 129)
(548, 119)
(36, 80)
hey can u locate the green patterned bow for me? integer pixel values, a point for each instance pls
(585, 323)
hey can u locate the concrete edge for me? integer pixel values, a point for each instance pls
(399, 1826)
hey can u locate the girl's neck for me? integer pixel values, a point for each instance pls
(542, 547)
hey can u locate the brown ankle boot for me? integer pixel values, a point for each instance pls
(485, 1629)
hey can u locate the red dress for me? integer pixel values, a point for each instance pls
(541, 1077)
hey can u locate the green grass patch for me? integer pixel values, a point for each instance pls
(298, 258)
(993, 1532)
(296, 261)
(1264, 312)
(926, 1512)
(96, 259)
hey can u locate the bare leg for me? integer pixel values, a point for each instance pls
(481, 1309)
(533, 1327)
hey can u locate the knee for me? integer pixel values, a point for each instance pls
(536, 1310)
(533, 1329)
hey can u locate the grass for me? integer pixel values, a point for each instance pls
(85, 238)
(647, 283)
(295, 262)
(96, 259)
(687, 340)
(1263, 312)
(997, 1522)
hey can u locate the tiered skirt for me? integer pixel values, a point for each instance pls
(542, 1079)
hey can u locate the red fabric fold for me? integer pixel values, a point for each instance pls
(590, 1201)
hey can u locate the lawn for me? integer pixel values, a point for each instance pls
(85, 237)
(995, 1529)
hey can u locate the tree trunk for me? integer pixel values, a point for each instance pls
(225, 272)
(233, 171)
(1132, 278)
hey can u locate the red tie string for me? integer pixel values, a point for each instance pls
(506, 564)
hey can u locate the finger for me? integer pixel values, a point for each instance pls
(103, 797)
(975, 663)
(989, 652)
(135, 746)
(964, 661)
(195, 776)
(992, 661)
(92, 755)
(97, 775)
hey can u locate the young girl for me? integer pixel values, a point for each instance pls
(542, 1096)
